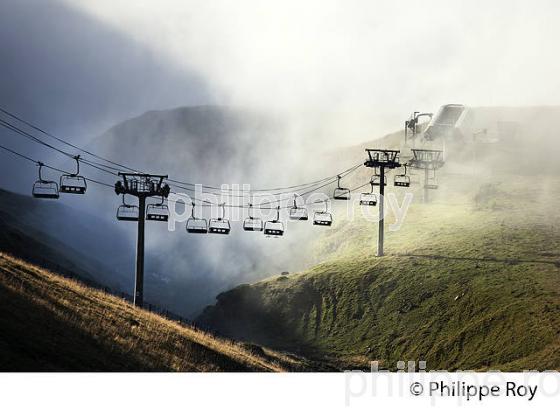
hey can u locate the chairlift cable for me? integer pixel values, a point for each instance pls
(18, 154)
(262, 204)
(32, 138)
(61, 140)
(250, 192)
(289, 189)
(99, 166)
(35, 139)
(23, 156)
(203, 203)
(206, 203)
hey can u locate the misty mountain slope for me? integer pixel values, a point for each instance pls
(215, 145)
(60, 237)
(210, 145)
(201, 144)
(50, 323)
(470, 282)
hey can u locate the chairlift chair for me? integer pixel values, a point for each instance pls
(298, 213)
(44, 189)
(323, 218)
(157, 212)
(376, 178)
(251, 223)
(220, 225)
(127, 212)
(432, 182)
(341, 193)
(274, 227)
(196, 225)
(368, 198)
(402, 180)
(414, 178)
(73, 183)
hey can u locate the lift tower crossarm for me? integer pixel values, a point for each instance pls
(426, 159)
(141, 186)
(387, 158)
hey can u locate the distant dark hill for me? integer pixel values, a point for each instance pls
(60, 237)
(202, 144)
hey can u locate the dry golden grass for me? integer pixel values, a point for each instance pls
(51, 323)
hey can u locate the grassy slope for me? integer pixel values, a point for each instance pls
(49, 323)
(463, 287)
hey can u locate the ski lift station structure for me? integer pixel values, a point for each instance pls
(452, 122)
(412, 125)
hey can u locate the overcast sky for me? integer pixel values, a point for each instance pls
(74, 75)
(380, 59)
(77, 67)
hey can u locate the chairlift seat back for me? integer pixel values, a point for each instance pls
(341, 194)
(157, 212)
(157, 217)
(274, 228)
(128, 213)
(431, 183)
(368, 199)
(45, 190)
(73, 184)
(195, 225)
(219, 226)
(376, 181)
(299, 214)
(253, 225)
(322, 218)
(402, 181)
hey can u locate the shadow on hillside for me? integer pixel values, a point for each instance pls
(34, 339)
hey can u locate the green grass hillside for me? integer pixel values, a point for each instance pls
(50, 323)
(471, 281)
